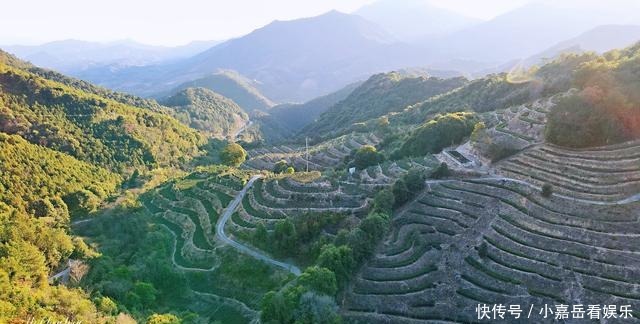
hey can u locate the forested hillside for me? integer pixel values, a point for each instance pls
(233, 86)
(379, 95)
(65, 149)
(39, 189)
(207, 111)
(606, 110)
(89, 127)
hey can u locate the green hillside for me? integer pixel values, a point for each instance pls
(233, 86)
(378, 96)
(121, 97)
(89, 127)
(606, 109)
(65, 148)
(207, 111)
(39, 188)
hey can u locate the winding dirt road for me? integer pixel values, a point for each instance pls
(241, 247)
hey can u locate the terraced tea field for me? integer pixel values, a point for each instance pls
(606, 174)
(525, 123)
(321, 156)
(228, 283)
(462, 243)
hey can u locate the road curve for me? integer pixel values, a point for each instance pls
(241, 247)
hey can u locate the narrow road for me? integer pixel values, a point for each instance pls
(242, 129)
(64, 274)
(241, 247)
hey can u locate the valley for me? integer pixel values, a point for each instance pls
(340, 168)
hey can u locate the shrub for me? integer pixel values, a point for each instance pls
(337, 259)
(547, 190)
(440, 172)
(280, 166)
(383, 201)
(483, 250)
(163, 319)
(319, 279)
(438, 133)
(233, 155)
(317, 309)
(107, 305)
(415, 180)
(400, 191)
(367, 156)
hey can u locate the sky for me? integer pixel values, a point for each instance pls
(163, 22)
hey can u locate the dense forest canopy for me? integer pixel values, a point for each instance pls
(205, 110)
(606, 110)
(65, 148)
(89, 127)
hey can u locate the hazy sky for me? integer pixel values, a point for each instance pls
(165, 22)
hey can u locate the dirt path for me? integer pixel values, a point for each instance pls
(242, 129)
(244, 248)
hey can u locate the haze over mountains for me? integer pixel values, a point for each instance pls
(532, 28)
(378, 167)
(71, 55)
(298, 60)
(414, 20)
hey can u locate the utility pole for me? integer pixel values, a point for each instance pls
(306, 144)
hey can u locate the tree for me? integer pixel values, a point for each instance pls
(290, 170)
(400, 191)
(280, 166)
(375, 225)
(284, 235)
(83, 201)
(319, 279)
(260, 236)
(107, 305)
(415, 179)
(367, 156)
(438, 133)
(163, 319)
(233, 155)
(146, 292)
(440, 172)
(547, 190)
(317, 309)
(337, 259)
(279, 306)
(133, 180)
(360, 245)
(383, 201)
(479, 132)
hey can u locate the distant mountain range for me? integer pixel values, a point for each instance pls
(290, 60)
(298, 60)
(599, 39)
(413, 20)
(530, 29)
(75, 55)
